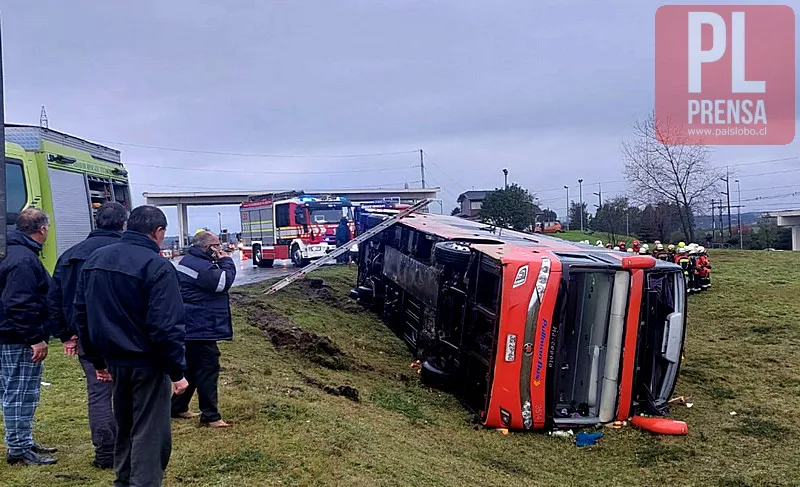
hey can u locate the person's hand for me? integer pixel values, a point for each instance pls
(71, 347)
(219, 253)
(103, 375)
(39, 351)
(179, 387)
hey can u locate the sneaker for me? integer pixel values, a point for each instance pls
(43, 450)
(30, 458)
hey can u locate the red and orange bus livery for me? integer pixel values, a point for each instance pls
(529, 331)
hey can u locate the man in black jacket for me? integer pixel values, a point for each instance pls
(110, 221)
(129, 317)
(24, 283)
(206, 274)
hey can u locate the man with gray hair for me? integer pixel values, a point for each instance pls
(24, 284)
(205, 274)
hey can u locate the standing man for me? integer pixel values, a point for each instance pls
(205, 274)
(129, 317)
(342, 237)
(24, 284)
(110, 221)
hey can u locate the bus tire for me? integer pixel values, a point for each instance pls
(453, 253)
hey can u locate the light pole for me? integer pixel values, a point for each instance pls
(219, 214)
(505, 175)
(580, 190)
(739, 213)
(567, 188)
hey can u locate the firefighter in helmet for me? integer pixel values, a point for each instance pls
(704, 265)
(671, 252)
(636, 246)
(622, 246)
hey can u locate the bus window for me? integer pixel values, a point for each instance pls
(16, 196)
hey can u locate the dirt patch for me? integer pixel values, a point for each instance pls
(316, 289)
(285, 334)
(349, 392)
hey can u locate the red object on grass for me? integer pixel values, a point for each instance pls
(662, 426)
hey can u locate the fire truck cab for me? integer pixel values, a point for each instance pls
(291, 226)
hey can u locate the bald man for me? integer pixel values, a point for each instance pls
(206, 274)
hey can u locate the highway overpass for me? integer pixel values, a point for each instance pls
(183, 200)
(790, 218)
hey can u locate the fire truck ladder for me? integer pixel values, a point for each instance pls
(346, 247)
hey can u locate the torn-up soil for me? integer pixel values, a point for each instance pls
(316, 289)
(285, 334)
(349, 392)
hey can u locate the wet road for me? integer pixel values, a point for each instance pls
(247, 274)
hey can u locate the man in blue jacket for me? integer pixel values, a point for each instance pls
(110, 219)
(206, 274)
(129, 317)
(24, 283)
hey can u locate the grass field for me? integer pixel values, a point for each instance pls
(347, 409)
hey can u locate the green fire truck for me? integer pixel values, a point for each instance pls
(66, 176)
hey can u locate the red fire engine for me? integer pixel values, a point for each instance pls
(291, 225)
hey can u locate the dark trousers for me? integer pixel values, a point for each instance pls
(144, 439)
(101, 416)
(202, 372)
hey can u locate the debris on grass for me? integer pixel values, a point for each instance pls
(587, 439)
(349, 392)
(562, 433)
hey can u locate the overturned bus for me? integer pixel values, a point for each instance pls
(528, 331)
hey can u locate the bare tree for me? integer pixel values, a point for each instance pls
(660, 166)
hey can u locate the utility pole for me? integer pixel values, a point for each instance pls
(422, 166)
(721, 223)
(599, 195)
(219, 214)
(627, 222)
(713, 221)
(727, 193)
(568, 215)
(580, 189)
(739, 214)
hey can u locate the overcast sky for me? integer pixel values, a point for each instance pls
(545, 89)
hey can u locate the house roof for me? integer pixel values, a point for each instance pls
(472, 195)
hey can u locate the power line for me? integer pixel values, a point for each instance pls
(254, 171)
(244, 154)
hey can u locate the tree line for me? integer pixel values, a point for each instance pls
(669, 182)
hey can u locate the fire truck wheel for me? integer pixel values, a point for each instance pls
(453, 253)
(297, 257)
(257, 256)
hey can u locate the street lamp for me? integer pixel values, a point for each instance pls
(567, 220)
(580, 186)
(505, 175)
(739, 213)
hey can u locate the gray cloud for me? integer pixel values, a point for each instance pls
(546, 89)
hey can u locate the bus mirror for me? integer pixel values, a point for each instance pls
(638, 262)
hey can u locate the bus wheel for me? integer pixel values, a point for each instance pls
(257, 256)
(453, 253)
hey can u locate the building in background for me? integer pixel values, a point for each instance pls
(471, 203)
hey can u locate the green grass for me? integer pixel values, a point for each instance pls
(290, 430)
